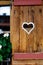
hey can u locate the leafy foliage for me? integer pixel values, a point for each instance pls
(5, 51)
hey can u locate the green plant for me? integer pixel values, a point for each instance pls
(5, 47)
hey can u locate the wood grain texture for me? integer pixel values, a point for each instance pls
(33, 14)
(11, 27)
(29, 37)
(28, 62)
(15, 28)
(39, 28)
(21, 41)
(22, 33)
(16, 24)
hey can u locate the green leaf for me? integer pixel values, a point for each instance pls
(0, 41)
(1, 57)
(4, 43)
(8, 50)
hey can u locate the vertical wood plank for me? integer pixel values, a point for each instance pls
(33, 11)
(11, 27)
(15, 28)
(39, 21)
(42, 29)
(22, 32)
(38, 27)
(29, 38)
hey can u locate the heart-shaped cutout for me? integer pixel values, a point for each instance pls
(28, 27)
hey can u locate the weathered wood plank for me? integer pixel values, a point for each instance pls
(16, 24)
(22, 32)
(33, 11)
(28, 62)
(29, 37)
(39, 27)
(15, 28)
(11, 27)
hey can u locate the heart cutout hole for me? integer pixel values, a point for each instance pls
(28, 27)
